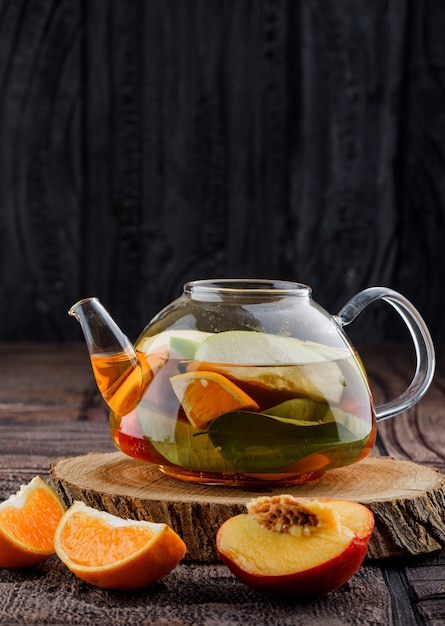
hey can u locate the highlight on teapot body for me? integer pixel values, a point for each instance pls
(242, 405)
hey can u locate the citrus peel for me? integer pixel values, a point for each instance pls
(207, 395)
(110, 552)
(28, 521)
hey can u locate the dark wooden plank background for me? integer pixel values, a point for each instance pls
(147, 142)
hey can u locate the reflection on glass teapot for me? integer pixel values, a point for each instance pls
(245, 382)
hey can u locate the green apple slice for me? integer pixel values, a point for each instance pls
(183, 343)
(179, 442)
(284, 364)
(244, 347)
(186, 344)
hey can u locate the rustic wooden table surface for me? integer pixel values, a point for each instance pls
(50, 408)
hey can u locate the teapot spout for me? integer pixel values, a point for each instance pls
(116, 365)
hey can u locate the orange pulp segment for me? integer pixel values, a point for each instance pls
(206, 395)
(113, 553)
(28, 521)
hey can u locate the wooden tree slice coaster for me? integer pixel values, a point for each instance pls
(407, 499)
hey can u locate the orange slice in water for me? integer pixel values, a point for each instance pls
(206, 395)
(113, 553)
(28, 521)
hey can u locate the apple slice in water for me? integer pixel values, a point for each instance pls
(283, 364)
(181, 342)
(245, 347)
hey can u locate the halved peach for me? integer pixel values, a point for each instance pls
(287, 546)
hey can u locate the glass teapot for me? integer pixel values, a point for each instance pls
(245, 382)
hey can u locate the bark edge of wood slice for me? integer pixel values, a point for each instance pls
(407, 499)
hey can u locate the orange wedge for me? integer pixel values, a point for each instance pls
(206, 395)
(28, 521)
(113, 553)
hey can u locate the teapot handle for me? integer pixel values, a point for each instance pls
(423, 344)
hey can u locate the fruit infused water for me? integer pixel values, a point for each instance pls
(241, 407)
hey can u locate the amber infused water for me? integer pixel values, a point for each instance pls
(233, 423)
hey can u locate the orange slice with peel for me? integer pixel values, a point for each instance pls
(110, 552)
(206, 395)
(28, 521)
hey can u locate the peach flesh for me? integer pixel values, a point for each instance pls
(300, 559)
